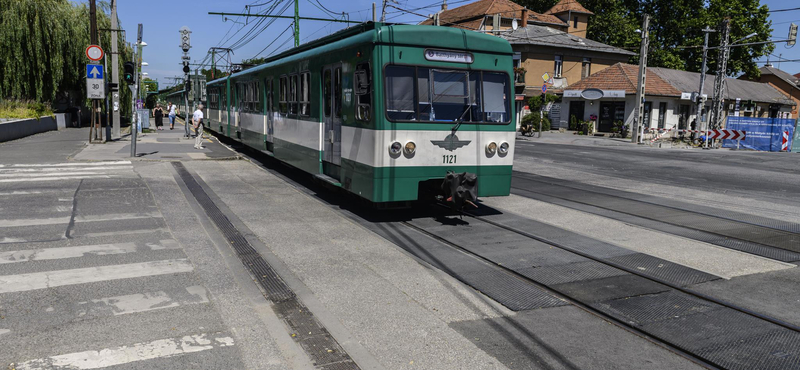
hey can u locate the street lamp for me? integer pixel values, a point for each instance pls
(144, 64)
(745, 38)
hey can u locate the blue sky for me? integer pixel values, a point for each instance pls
(163, 18)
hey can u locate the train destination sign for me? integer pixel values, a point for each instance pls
(448, 56)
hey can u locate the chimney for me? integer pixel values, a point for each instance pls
(444, 5)
(524, 18)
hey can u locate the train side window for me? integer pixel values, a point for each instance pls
(495, 97)
(256, 97)
(305, 82)
(282, 98)
(326, 89)
(338, 91)
(293, 95)
(400, 93)
(363, 90)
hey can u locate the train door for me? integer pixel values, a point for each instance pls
(269, 119)
(332, 119)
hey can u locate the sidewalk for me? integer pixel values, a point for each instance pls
(158, 145)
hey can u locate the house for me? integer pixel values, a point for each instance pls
(550, 49)
(611, 96)
(790, 85)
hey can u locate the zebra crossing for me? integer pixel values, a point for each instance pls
(89, 267)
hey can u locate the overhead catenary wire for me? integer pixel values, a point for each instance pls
(273, 41)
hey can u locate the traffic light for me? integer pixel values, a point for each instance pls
(792, 35)
(188, 86)
(129, 72)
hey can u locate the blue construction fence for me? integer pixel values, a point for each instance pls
(764, 134)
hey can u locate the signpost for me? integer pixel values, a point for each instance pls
(95, 82)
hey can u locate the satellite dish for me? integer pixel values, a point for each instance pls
(514, 25)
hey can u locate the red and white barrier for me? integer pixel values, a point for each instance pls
(713, 134)
(785, 142)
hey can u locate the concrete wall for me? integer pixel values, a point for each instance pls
(12, 130)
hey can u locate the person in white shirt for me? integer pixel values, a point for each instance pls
(197, 122)
(172, 113)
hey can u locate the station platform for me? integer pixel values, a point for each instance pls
(184, 258)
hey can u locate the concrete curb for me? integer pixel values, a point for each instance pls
(12, 130)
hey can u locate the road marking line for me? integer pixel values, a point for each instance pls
(133, 303)
(112, 163)
(57, 169)
(124, 232)
(80, 251)
(51, 279)
(117, 216)
(4, 331)
(161, 348)
(48, 174)
(56, 178)
(34, 221)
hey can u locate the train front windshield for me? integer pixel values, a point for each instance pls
(439, 95)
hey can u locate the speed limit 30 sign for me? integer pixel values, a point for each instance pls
(95, 82)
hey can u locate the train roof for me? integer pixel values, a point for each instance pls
(399, 34)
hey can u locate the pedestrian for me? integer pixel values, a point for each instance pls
(158, 113)
(197, 122)
(172, 112)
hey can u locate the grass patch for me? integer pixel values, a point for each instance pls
(23, 109)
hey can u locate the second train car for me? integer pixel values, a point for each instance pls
(384, 111)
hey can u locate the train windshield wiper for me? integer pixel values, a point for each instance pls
(460, 120)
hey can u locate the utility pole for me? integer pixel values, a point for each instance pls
(135, 126)
(296, 23)
(719, 80)
(94, 130)
(115, 107)
(373, 13)
(701, 101)
(637, 127)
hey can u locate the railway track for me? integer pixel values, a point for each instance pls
(527, 265)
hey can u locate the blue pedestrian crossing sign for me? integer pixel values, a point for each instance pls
(94, 71)
(95, 84)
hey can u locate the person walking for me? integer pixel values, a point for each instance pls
(172, 113)
(158, 113)
(197, 122)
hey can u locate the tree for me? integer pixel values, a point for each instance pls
(217, 74)
(42, 46)
(675, 24)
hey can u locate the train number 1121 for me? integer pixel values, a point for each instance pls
(449, 159)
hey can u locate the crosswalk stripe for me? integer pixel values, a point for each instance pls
(114, 163)
(60, 169)
(142, 302)
(161, 348)
(116, 216)
(34, 221)
(51, 279)
(81, 251)
(48, 174)
(32, 179)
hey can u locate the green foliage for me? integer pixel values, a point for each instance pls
(573, 122)
(585, 127)
(537, 102)
(24, 109)
(620, 129)
(674, 24)
(533, 119)
(42, 45)
(217, 74)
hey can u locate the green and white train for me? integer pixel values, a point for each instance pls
(384, 111)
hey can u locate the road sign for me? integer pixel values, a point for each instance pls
(545, 77)
(785, 141)
(727, 134)
(544, 88)
(95, 84)
(94, 52)
(94, 71)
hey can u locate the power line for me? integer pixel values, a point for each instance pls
(782, 10)
(273, 41)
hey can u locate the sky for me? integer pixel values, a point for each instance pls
(161, 20)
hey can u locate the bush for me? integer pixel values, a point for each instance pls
(23, 109)
(620, 129)
(533, 119)
(573, 122)
(585, 127)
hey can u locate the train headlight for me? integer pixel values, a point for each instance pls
(410, 148)
(503, 149)
(395, 148)
(491, 148)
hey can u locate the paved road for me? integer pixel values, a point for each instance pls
(767, 175)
